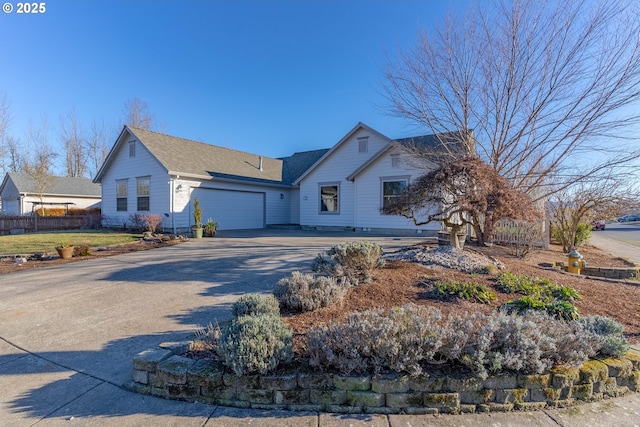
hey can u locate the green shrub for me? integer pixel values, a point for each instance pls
(563, 293)
(557, 308)
(609, 332)
(527, 302)
(562, 310)
(255, 344)
(563, 234)
(353, 260)
(465, 290)
(255, 304)
(520, 284)
(306, 292)
(375, 340)
(539, 294)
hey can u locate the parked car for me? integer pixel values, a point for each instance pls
(598, 224)
(629, 218)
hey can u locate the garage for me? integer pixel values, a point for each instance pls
(233, 210)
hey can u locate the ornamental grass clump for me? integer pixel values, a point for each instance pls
(306, 292)
(354, 261)
(254, 304)
(255, 344)
(374, 341)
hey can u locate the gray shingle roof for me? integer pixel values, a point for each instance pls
(59, 185)
(185, 156)
(437, 145)
(298, 163)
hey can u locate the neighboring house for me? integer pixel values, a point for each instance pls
(19, 192)
(341, 188)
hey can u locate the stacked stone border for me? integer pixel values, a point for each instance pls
(164, 372)
(617, 273)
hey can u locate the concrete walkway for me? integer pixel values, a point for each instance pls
(68, 335)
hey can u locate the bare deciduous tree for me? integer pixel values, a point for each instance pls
(97, 148)
(74, 146)
(586, 202)
(5, 118)
(14, 155)
(549, 88)
(460, 192)
(137, 114)
(38, 160)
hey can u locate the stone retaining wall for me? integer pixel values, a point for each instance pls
(165, 373)
(620, 273)
(612, 272)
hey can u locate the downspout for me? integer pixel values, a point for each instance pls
(355, 204)
(173, 205)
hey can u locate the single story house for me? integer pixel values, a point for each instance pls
(19, 193)
(343, 187)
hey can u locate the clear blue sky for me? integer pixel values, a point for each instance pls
(270, 77)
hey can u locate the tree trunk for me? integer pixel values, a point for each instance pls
(455, 243)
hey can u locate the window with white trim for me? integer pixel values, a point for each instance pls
(132, 148)
(363, 144)
(330, 198)
(392, 189)
(143, 185)
(121, 194)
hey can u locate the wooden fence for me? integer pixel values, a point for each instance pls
(522, 233)
(30, 224)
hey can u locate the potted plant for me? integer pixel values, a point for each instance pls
(65, 251)
(197, 219)
(210, 228)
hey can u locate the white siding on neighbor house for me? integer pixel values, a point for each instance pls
(10, 199)
(343, 161)
(369, 194)
(16, 204)
(143, 164)
(78, 202)
(11, 207)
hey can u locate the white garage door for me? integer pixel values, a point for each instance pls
(233, 210)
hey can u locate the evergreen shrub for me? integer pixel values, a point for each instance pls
(255, 344)
(405, 339)
(255, 304)
(353, 260)
(306, 292)
(609, 334)
(375, 340)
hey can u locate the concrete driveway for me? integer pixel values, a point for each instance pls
(68, 335)
(69, 332)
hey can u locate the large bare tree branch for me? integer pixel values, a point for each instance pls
(550, 89)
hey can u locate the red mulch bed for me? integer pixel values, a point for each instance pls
(401, 282)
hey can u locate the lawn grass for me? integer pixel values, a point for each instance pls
(47, 241)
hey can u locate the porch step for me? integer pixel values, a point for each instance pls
(284, 227)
